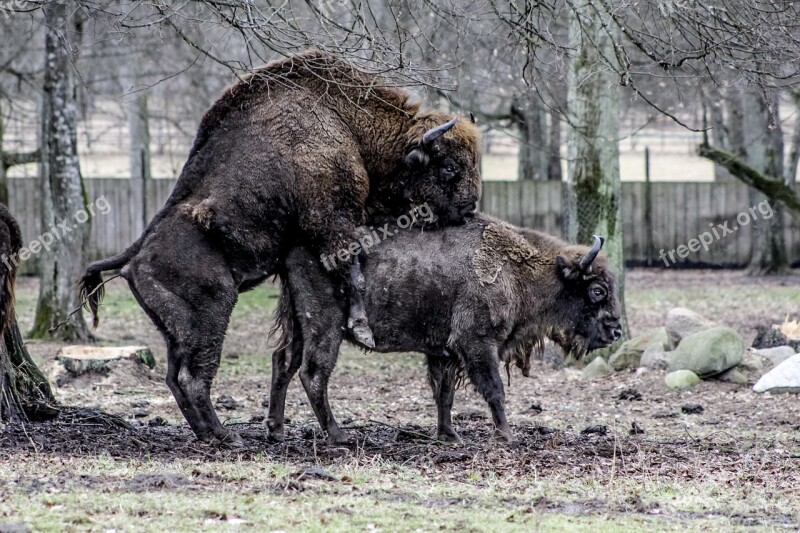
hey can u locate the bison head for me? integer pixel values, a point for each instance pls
(441, 168)
(588, 300)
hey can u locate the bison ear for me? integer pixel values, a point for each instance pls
(417, 158)
(567, 269)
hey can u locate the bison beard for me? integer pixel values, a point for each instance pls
(433, 293)
(302, 152)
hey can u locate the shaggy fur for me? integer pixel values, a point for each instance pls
(303, 151)
(10, 244)
(468, 297)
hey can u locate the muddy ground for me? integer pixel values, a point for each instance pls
(616, 453)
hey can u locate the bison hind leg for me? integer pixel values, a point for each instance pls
(443, 372)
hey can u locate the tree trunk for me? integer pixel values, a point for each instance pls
(763, 146)
(138, 124)
(530, 119)
(713, 107)
(554, 161)
(593, 179)
(3, 169)
(794, 152)
(24, 391)
(8, 160)
(65, 219)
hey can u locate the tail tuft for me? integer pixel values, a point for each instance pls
(92, 292)
(284, 315)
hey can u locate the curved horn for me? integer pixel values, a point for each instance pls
(590, 256)
(436, 132)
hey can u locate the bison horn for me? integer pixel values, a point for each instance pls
(590, 256)
(434, 133)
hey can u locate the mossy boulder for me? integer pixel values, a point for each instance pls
(629, 355)
(681, 380)
(596, 369)
(681, 323)
(708, 352)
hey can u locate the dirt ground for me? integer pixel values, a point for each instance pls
(615, 454)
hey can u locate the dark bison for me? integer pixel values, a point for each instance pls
(468, 297)
(301, 152)
(10, 244)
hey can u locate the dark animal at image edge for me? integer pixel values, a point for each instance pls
(301, 152)
(10, 244)
(467, 297)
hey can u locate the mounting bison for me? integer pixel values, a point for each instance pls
(301, 152)
(468, 297)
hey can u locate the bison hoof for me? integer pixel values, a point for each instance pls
(449, 436)
(503, 436)
(276, 436)
(361, 333)
(338, 438)
(231, 440)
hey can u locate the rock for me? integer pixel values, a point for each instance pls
(753, 363)
(636, 429)
(733, 375)
(783, 378)
(630, 353)
(598, 429)
(681, 379)
(682, 322)
(596, 369)
(227, 402)
(708, 352)
(655, 357)
(776, 355)
(692, 409)
(630, 394)
(78, 360)
(14, 528)
(771, 337)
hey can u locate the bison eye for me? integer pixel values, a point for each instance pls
(448, 172)
(597, 293)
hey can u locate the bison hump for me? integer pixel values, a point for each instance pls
(500, 244)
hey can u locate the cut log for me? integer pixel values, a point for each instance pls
(78, 360)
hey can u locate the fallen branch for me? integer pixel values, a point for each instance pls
(774, 188)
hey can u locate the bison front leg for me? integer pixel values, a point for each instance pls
(481, 363)
(442, 376)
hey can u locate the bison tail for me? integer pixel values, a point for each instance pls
(91, 285)
(283, 328)
(92, 291)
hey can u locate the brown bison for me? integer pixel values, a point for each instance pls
(299, 153)
(468, 297)
(10, 244)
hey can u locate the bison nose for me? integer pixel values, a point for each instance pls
(616, 333)
(469, 210)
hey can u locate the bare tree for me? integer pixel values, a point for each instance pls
(24, 391)
(63, 194)
(593, 182)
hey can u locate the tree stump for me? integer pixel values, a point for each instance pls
(79, 360)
